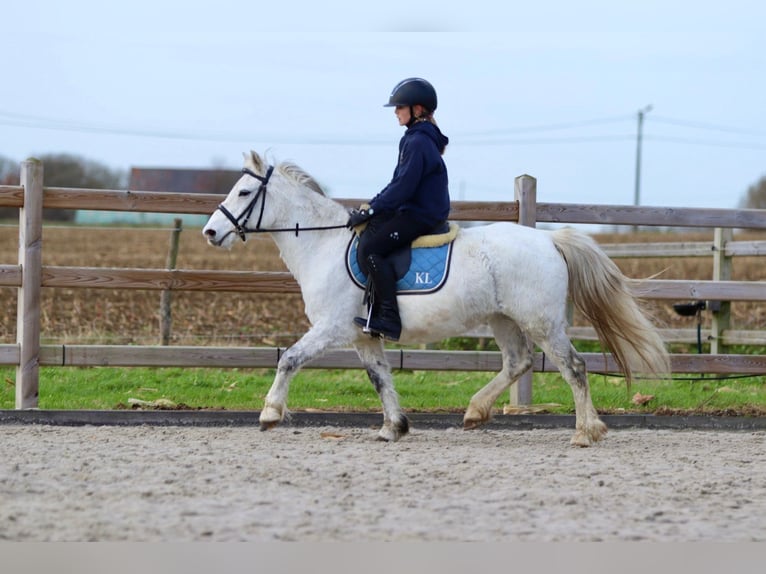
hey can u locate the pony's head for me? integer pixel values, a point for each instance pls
(242, 210)
(246, 209)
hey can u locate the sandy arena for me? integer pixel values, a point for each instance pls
(147, 483)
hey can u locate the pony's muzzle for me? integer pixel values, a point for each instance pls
(212, 237)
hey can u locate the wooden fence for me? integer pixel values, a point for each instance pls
(29, 276)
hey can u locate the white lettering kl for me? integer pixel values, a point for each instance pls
(422, 278)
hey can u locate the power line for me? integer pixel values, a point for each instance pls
(39, 122)
(555, 140)
(548, 127)
(476, 138)
(706, 126)
(738, 145)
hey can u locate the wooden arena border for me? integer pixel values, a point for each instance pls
(29, 276)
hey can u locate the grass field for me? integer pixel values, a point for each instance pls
(81, 316)
(236, 389)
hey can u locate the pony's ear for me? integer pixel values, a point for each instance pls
(256, 159)
(253, 160)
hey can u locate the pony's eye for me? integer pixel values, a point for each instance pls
(245, 192)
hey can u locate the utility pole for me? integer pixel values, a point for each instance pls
(637, 194)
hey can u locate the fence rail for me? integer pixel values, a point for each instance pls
(29, 276)
(404, 359)
(283, 282)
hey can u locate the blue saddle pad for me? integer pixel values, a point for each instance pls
(427, 272)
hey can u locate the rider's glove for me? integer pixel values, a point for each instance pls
(358, 216)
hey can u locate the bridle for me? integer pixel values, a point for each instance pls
(240, 222)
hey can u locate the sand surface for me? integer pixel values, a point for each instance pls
(145, 483)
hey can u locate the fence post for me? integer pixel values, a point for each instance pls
(525, 192)
(28, 299)
(166, 319)
(722, 264)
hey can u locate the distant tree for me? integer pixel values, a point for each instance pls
(9, 175)
(64, 170)
(9, 171)
(755, 198)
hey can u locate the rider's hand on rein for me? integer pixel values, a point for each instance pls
(358, 216)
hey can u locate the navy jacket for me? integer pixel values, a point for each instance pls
(419, 184)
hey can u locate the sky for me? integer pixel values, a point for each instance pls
(545, 88)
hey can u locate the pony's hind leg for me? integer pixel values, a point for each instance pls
(517, 358)
(395, 422)
(589, 428)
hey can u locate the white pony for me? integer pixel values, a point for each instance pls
(513, 278)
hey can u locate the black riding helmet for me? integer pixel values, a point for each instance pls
(413, 91)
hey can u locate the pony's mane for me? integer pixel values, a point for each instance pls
(287, 168)
(299, 175)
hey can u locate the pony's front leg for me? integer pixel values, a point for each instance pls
(395, 422)
(308, 347)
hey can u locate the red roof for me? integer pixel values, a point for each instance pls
(183, 180)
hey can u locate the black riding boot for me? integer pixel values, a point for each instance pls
(384, 320)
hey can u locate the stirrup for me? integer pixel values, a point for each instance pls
(368, 329)
(366, 326)
(364, 323)
(374, 333)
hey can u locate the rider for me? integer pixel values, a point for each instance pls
(415, 201)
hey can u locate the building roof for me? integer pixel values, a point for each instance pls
(183, 180)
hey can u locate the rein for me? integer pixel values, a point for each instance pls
(240, 222)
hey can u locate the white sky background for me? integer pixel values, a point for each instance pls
(547, 88)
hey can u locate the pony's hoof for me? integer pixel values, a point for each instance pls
(597, 431)
(590, 433)
(470, 425)
(474, 418)
(387, 435)
(392, 432)
(270, 417)
(580, 439)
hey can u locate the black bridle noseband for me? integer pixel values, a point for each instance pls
(240, 222)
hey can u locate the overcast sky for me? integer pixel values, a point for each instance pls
(551, 89)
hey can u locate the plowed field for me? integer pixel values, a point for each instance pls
(132, 316)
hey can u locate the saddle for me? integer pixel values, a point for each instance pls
(420, 268)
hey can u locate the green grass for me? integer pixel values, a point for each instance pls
(104, 388)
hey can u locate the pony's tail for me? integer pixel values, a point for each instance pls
(599, 290)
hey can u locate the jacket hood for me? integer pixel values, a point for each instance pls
(433, 132)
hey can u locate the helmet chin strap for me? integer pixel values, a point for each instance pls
(412, 117)
(415, 119)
